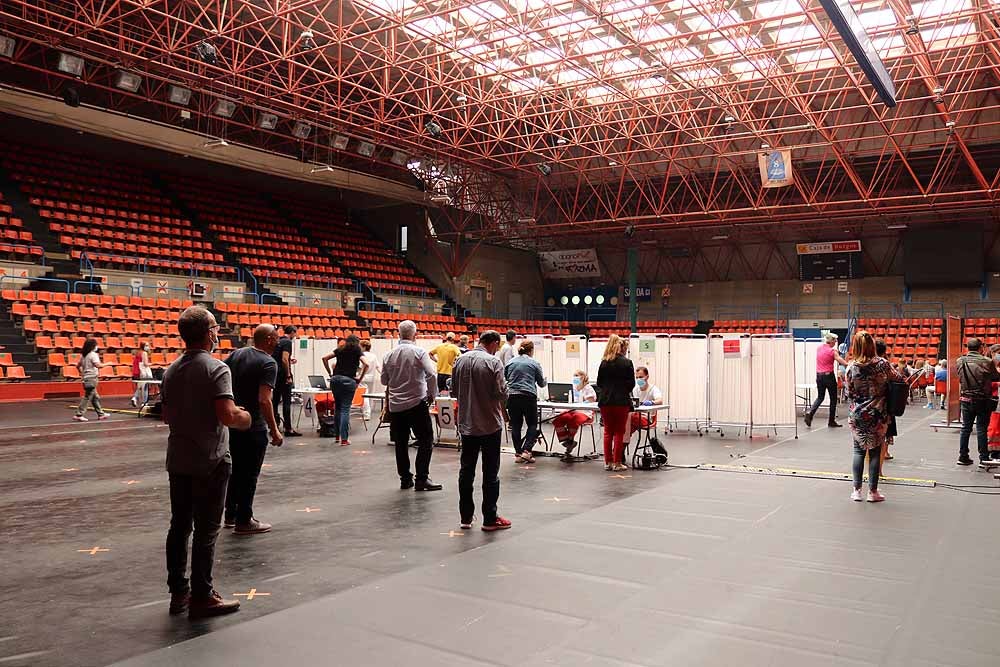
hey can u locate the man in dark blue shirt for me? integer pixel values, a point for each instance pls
(254, 371)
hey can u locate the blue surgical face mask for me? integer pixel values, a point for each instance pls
(577, 382)
(641, 383)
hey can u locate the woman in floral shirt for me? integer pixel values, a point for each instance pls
(868, 377)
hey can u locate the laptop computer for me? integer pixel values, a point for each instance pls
(318, 382)
(559, 392)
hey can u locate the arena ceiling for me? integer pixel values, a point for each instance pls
(549, 118)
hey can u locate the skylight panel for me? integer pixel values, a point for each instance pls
(677, 56)
(597, 45)
(650, 85)
(699, 23)
(747, 71)
(944, 33)
(768, 10)
(471, 48)
(626, 66)
(878, 19)
(700, 74)
(656, 32)
(571, 23)
(796, 33)
(890, 45)
(811, 56)
(435, 26)
(628, 10)
(497, 66)
(391, 6)
(573, 75)
(935, 8)
(547, 55)
(524, 85)
(600, 94)
(482, 12)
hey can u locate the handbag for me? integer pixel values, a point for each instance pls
(896, 395)
(993, 432)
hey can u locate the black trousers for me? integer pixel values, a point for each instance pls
(198, 501)
(825, 382)
(417, 418)
(283, 395)
(523, 409)
(472, 445)
(248, 449)
(443, 382)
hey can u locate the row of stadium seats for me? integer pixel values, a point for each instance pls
(33, 296)
(9, 370)
(550, 327)
(16, 243)
(603, 329)
(99, 208)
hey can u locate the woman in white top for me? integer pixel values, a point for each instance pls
(141, 370)
(90, 369)
(373, 370)
(568, 423)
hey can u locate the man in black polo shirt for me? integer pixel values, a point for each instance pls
(254, 371)
(284, 382)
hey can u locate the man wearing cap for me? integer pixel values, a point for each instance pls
(826, 379)
(444, 355)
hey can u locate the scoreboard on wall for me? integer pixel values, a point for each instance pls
(832, 260)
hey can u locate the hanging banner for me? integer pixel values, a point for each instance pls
(775, 168)
(827, 247)
(570, 263)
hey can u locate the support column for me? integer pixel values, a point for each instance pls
(633, 301)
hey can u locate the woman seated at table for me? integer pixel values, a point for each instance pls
(568, 423)
(645, 394)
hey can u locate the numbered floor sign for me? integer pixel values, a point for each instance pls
(447, 409)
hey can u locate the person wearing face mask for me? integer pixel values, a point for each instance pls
(645, 393)
(568, 423)
(141, 370)
(90, 368)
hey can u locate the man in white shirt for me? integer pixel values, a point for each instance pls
(509, 349)
(374, 368)
(410, 379)
(645, 393)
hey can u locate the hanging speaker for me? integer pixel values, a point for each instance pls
(71, 96)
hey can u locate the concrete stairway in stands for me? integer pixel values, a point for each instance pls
(22, 352)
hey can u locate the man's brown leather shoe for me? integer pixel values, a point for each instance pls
(213, 605)
(179, 602)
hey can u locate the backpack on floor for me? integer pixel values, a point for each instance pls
(327, 426)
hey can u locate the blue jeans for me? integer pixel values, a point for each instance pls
(343, 389)
(874, 465)
(977, 411)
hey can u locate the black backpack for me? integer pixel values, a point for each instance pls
(327, 426)
(896, 396)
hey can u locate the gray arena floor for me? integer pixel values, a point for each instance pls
(679, 567)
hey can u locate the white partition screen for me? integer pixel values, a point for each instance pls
(595, 350)
(687, 378)
(642, 352)
(543, 354)
(569, 354)
(729, 380)
(772, 391)
(308, 354)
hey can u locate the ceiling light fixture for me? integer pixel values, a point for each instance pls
(433, 129)
(70, 64)
(399, 158)
(366, 148)
(301, 130)
(129, 81)
(340, 142)
(179, 95)
(545, 168)
(207, 53)
(224, 108)
(267, 121)
(7, 45)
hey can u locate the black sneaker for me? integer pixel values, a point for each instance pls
(406, 483)
(808, 418)
(229, 523)
(835, 425)
(964, 461)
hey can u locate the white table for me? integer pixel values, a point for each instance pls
(146, 383)
(557, 408)
(378, 396)
(308, 395)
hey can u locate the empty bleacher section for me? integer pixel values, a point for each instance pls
(241, 318)
(367, 258)
(602, 329)
(258, 236)
(114, 213)
(385, 324)
(915, 338)
(16, 243)
(520, 326)
(749, 326)
(57, 324)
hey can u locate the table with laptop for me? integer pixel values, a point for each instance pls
(317, 387)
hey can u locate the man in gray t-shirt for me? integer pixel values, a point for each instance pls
(198, 406)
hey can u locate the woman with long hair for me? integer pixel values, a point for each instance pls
(615, 382)
(868, 377)
(141, 370)
(90, 368)
(524, 376)
(348, 367)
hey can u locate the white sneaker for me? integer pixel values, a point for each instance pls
(856, 495)
(875, 497)
(132, 402)
(80, 418)
(103, 416)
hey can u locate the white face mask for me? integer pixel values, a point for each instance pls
(215, 339)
